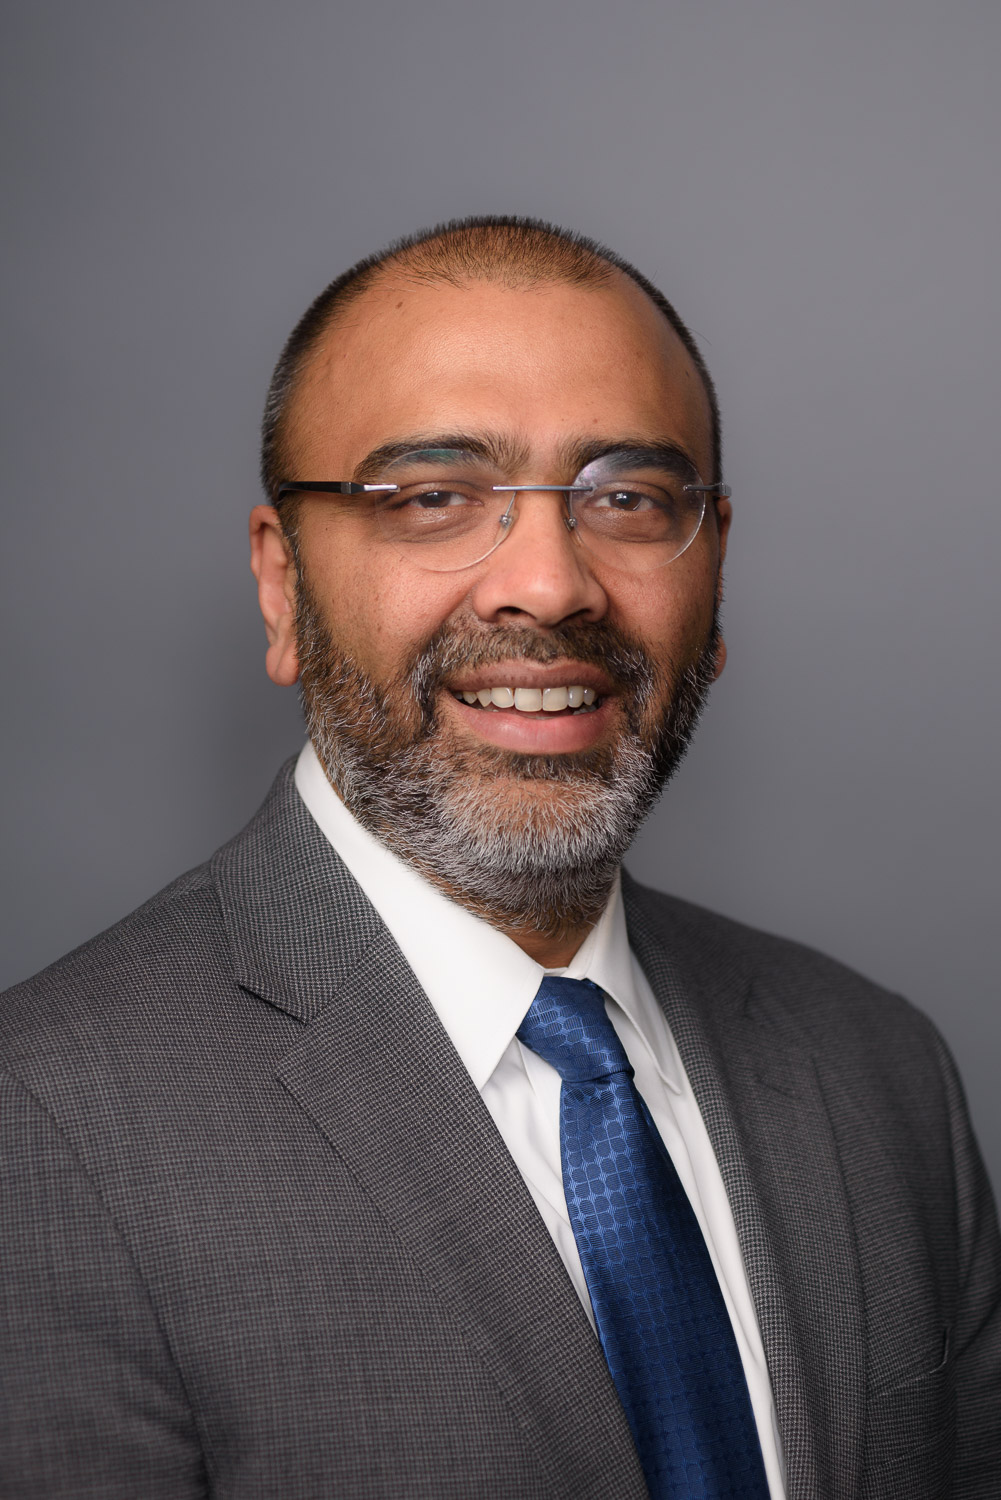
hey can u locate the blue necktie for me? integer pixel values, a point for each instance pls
(661, 1317)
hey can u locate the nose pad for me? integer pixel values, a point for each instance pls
(511, 514)
(509, 517)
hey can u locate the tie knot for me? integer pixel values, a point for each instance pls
(567, 1026)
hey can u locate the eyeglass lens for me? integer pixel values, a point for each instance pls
(637, 521)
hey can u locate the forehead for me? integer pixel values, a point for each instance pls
(545, 364)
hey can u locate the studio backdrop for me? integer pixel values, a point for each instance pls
(814, 185)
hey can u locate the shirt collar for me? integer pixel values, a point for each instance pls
(606, 958)
(479, 981)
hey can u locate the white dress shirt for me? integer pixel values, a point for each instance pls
(481, 984)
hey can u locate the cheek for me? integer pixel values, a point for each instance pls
(668, 611)
(379, 610)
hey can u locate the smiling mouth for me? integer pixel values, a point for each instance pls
(573, 699)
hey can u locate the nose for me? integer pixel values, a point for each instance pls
(539, 575)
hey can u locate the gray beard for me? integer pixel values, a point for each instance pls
(542, 860)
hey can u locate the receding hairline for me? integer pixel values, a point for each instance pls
(394, 275)
(518, 253)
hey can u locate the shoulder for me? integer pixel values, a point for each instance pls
(127, 987)
(268, 926)
(799, 1019)
(175, 942)
(804, 993)
(123, 978)
(739, 948)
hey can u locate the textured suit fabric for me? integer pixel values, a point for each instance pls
(260, 1235)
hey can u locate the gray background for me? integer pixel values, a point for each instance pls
(816, 188)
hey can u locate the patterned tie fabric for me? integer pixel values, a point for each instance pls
(661, 1317)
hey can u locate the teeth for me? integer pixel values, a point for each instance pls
(533, 700)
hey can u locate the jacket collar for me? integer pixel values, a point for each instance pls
(376, 1072)
(379, 1076)
(298, 924)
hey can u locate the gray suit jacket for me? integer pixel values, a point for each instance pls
(262, 1239)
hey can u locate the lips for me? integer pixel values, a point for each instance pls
(558, 707)
(531, 687)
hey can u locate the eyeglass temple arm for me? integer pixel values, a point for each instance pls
(333, 487)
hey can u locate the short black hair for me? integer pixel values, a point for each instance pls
(515, 251)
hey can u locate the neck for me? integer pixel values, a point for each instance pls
(550, 952)
(552, 945)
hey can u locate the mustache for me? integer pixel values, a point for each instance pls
(454, 647)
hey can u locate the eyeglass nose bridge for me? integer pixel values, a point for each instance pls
(507, 520)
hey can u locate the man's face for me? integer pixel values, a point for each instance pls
(539, 375)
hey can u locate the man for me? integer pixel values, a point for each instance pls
(406, 1148)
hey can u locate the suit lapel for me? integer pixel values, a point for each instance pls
(758, 1092)
(377, 1073)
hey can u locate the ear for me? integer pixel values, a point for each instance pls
(724, 516)
(273, 566)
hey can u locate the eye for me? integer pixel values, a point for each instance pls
(433, 497)
(432, 512)
(439, 499)
(622, 499)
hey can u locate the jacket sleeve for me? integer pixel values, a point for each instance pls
(977, 1331)
(91, 1402)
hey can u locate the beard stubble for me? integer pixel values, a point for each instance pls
(530, 843)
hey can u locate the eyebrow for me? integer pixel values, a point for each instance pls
(448, 448)
(508, 455)
(635, 454)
